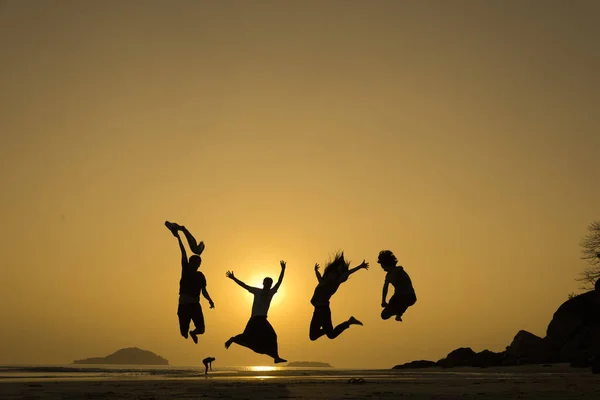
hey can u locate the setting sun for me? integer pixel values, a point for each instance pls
(257, 281)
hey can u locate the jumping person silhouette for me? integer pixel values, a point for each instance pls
(259, 336)
(335, 274)
(404, 293)
(191, 284)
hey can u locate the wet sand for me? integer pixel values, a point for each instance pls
(557, 382)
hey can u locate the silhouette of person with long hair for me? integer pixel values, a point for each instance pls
(259, 336)
(191, 284)
(208, 363)
(336, 273)
(404, 293)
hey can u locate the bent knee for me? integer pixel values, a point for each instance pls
(385, 315)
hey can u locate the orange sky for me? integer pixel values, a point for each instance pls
(461, 135)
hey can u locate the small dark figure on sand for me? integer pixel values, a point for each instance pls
(335, 274)
(404, 293)
(191, 284)
(259, 336)
(208, 364)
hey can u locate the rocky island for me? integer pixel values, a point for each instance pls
(308, 364)
(128, 356)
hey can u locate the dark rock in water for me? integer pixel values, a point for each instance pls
(461, 357)
(128, 356)
(487, 358)
(315, 364)
(574, 332)
(527, 348)
(416, 364)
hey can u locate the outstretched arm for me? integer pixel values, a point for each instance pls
(364, 265)
(276, 287)
(184, 259)
(384, 294)
(230, 275)
(317, 273)
(207, 297)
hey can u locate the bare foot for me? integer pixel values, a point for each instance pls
(194, 336)
(398, 318)
(228, 343)
(172, 227)
(279, 360)
(354, 321)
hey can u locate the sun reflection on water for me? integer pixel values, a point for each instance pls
(262, 368)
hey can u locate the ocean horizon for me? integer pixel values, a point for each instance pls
(105, 371)
(62, 372)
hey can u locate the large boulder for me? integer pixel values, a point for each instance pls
(461, 357)
(596, 365)
(487, 358)
(574, 332)
(416, 365)
(527, 348)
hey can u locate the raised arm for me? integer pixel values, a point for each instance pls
(207, 297)
(317, 273)
(276, 287)
(230, 275)
(184, 259)
(364, 265)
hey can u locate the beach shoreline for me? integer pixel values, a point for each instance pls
(526, 382)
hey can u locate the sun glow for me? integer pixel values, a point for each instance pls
(257, 281)
(261, 368)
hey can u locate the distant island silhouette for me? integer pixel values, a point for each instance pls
(127, 356)
(308, 364)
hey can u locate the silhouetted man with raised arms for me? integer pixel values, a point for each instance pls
(404, 293)
(259, 336)
(335, 274)
(191, 284)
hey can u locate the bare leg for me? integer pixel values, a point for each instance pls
(195, 246)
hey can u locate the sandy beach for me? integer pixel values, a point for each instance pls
(556, 382)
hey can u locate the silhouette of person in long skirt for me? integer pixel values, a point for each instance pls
(404, 293)
(336, 273)
(259, 336)
(191, 284)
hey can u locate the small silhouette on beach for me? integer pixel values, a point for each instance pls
(208, 364)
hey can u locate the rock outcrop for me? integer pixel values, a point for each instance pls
(416, 365)
(128, 356)
(461, 357)
(527, 348)
(572, 336)
(310, 364)
(574, 332)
